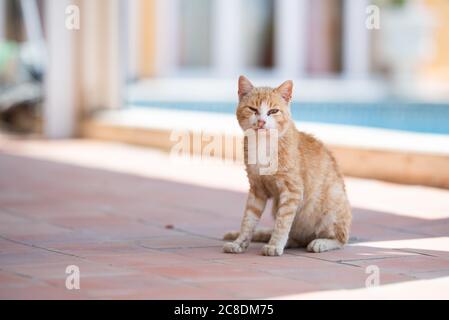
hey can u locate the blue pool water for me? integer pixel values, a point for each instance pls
(407, 116)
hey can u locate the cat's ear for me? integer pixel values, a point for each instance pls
(245, 86)
(285, 90)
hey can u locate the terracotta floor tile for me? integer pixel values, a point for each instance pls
(412, 265)
(179, 241)
(141, 260)
(350, 253)
(41, 292)
(57, 270)
(12, 280)
(260, 288)
(199, 272)
(135, 236)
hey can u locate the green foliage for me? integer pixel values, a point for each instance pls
(391, 3)
(8, 52)
(398, 3)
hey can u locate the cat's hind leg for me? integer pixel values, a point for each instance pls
(322, 245)
(260, 235)
(292, 243)
(231, 235)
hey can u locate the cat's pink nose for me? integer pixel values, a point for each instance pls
(261, 123)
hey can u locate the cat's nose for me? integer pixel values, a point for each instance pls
(261, 123)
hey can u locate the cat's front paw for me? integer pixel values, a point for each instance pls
(269, 250)
(233, 247)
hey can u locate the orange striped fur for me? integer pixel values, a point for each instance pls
(310, 206)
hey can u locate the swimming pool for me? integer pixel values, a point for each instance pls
(397, 115)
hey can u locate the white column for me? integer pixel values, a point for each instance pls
(133, 32)
(93, 52)
(226, 37)
(2, 20)
(356, 58)
(166, 56)
(32, 21)
(117, 54)
(291, 37)
(61, 83)
(103, 54)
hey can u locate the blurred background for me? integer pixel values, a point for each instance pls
(369, 75)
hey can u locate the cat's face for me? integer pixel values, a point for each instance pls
(264, 108)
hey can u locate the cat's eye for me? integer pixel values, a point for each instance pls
(273, 111)
(254, 110)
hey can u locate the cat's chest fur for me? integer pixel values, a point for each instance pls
(268, 183)
(270, 175)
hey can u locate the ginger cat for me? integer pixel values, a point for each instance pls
(310, 206)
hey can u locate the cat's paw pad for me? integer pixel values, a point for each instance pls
(233, 247)
(269, 250)
(231, 236)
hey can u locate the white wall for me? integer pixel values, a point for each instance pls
(61, 83)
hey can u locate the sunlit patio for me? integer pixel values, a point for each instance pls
(142, 225)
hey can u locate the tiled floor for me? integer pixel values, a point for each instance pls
(140, 226)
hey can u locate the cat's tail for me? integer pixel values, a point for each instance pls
(231, 235)
(260, 235)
